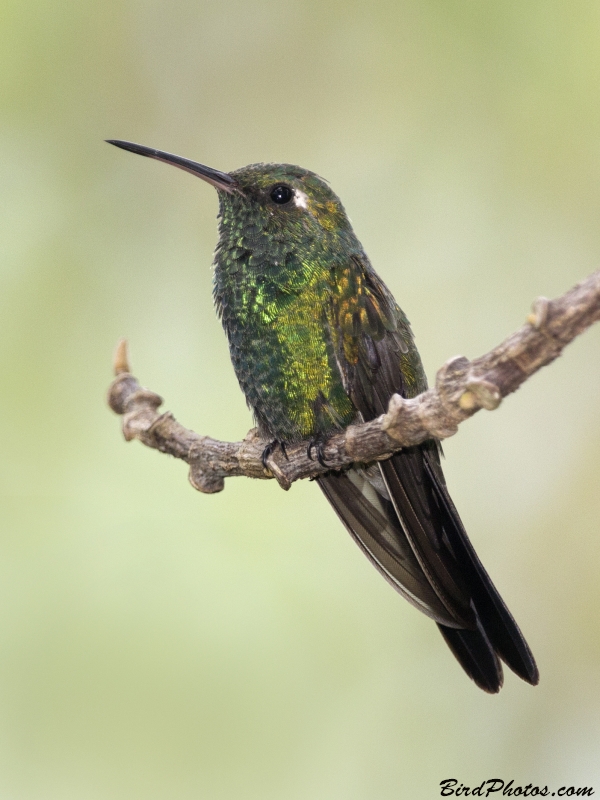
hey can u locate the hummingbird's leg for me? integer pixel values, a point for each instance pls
(267, 452)
(270, 449)
(318, 444)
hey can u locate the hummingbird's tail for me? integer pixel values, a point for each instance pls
(400, 514)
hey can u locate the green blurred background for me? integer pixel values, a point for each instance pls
(157, 643)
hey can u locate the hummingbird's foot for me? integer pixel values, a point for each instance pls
(270, 449)
(318, 444)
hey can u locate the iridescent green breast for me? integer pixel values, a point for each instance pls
(280, 343)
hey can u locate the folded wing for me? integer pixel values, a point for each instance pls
(399, 511)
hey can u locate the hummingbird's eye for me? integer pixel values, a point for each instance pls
(281, 194)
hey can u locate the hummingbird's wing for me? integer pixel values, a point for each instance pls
(399, 511)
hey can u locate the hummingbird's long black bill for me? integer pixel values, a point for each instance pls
(220, 180)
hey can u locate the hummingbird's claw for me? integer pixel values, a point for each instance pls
(270, 449)
(318, 444)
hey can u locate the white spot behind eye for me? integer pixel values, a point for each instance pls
(300, 199)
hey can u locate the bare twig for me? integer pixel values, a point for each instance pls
(462, 387)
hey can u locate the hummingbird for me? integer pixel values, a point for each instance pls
(318, 343)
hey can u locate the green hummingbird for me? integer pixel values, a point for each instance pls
(317, 343)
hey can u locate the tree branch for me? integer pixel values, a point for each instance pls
(462, 387)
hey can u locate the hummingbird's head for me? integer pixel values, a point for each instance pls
(281, 201)
(284, 201)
